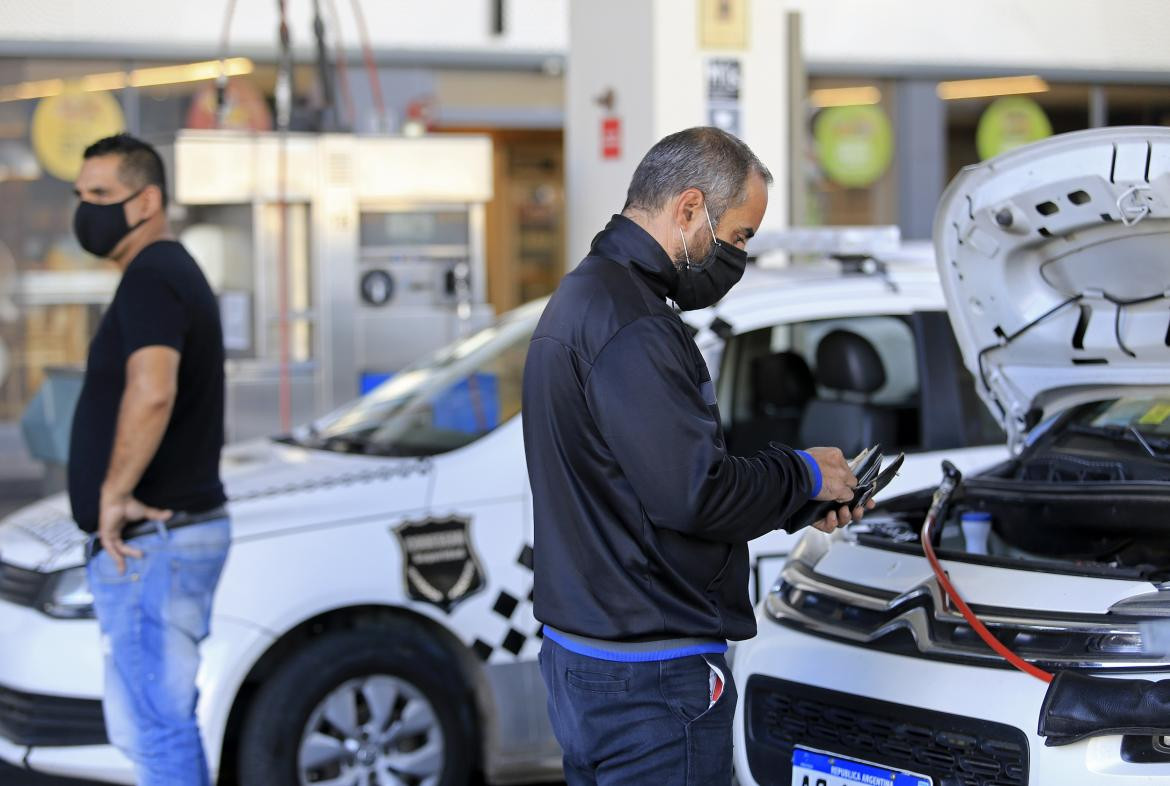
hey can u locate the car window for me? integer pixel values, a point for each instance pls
(777, 393)
(444, 402)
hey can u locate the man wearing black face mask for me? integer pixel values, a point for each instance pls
(144, 463)
(641, 517)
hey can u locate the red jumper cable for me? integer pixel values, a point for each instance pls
(951, 478)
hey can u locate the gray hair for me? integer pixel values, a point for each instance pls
(704, 157)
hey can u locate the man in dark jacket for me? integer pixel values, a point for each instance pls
(642, 518)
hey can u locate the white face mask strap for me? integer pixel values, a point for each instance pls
(684, 242)
(709, 224)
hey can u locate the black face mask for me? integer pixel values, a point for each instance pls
(99, 228)
(705, 282)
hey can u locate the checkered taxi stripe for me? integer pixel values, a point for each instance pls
(514, 632)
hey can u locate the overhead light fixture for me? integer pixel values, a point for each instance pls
(191, 72)
(988, 88)
(845, 96)
(27, 90)
(115, 80)
(139, 77)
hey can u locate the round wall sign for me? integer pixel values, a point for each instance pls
(855, 144)
(64, 125)
(1008, 123)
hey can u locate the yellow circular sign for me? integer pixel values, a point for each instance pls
(855, 144)
(1009, 123)
(64, 125)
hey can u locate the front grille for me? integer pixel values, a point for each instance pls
(32, 719)
(20, 586)
(952, 749)
(921, 623)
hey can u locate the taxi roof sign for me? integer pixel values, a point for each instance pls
(850, 241)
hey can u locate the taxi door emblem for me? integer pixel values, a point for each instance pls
(439, 563)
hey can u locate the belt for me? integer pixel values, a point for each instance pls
(178, 520)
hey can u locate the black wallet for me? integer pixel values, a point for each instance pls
(871, 478)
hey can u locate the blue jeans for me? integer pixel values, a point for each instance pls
(638, 723)
(152, 619)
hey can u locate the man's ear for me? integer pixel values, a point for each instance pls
(687, 206)
(152, 201)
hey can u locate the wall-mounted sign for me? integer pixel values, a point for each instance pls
(1010, 122)
(611, 138)
(64, 125)
(724, 77)
(723, 24)
(235, 314)
(855, 144)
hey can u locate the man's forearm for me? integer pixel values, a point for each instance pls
(142, 420)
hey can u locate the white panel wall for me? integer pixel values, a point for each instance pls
(1075, 34)
(530, 25)
(648, 52)
(605, 55)
(1078, 34)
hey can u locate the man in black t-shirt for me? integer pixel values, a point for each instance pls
(144, 462)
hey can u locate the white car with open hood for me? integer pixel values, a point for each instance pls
(375, 615)
(1055, 261)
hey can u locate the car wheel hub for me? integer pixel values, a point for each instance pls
(376, 729)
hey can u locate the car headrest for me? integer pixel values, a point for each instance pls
(847, 361)
(782, 380)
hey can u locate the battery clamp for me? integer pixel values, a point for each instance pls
(871, 478)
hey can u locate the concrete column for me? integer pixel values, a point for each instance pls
(647, 54)
(921, 156)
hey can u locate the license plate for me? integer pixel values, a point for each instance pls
(819, 768)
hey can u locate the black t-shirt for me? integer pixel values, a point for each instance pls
(162, 300)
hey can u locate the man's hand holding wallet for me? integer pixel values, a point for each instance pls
(847, 488)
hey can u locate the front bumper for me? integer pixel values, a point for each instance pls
(33, 719)
(961, 724)
(51, 678)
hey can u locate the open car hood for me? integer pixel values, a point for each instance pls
(1055, 262)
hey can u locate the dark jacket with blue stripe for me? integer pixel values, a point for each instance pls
(641, 516)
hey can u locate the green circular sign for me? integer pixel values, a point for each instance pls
(1008, 123)
(855, 144)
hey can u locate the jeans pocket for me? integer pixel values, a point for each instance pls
(193, 582)
(195, 575)
(596, 682)
(103, 571)
(686, 686)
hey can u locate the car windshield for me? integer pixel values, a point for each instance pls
(444, 401)
(1143, 420)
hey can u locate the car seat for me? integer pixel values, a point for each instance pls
(850, 371)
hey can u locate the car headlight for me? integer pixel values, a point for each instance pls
(810, 549)
(774, 602)
(68, 595)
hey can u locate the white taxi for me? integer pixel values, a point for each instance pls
(377, 598)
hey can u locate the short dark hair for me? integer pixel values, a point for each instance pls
(141, 164)
(707, 158)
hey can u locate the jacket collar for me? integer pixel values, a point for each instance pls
(624, 242)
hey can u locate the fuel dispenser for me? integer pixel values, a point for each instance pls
(337, 259)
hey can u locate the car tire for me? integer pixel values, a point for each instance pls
(362, 701)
